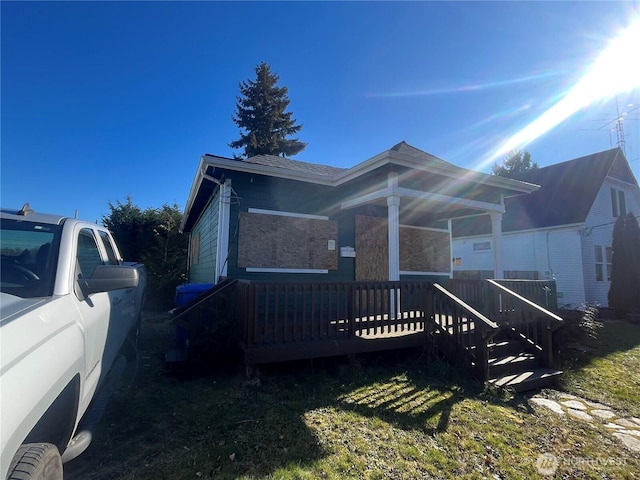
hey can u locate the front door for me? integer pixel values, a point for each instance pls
(372, 249)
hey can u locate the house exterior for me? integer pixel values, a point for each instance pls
(269, 218)
(561, 231)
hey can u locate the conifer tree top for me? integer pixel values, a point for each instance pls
(515, 164)
(265, 125)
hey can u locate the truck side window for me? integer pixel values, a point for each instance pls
(88, 254)
(111, 254)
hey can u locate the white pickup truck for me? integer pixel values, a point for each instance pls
(68, 305)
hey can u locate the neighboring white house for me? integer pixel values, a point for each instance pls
(562, 231)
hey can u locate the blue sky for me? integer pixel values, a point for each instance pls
(100, 100)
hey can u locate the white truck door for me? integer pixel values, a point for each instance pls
(95, 309)
(123, 307)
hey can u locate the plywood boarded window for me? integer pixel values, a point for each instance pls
(424, 250)
(280, 240)
(372, 248)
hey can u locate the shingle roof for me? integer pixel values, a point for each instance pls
(567, 192)
(406, 149)
(288, 164)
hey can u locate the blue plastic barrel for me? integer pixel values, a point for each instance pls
(184, 294)
(188, 291)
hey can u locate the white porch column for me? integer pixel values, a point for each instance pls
(496, 229)
(393, 204)
(393, 215)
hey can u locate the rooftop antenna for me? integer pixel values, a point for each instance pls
(620, 129)
(618, 126)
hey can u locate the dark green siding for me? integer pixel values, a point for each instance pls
(207, 228)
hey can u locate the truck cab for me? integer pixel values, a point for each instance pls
(68, 303)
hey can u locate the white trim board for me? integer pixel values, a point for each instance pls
(286, 214)
(285, 270)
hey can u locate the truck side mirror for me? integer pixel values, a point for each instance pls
(106, 278)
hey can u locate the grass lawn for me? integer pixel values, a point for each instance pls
(610, 373)
(398, 415)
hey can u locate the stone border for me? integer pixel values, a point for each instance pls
(625, 429)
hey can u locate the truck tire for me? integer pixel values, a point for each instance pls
(36, 461)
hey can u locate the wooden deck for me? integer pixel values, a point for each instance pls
(288, 322)
(276, 322)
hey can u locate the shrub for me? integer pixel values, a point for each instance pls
(625, 266)
(579, 330)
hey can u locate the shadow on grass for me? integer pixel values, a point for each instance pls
(414, 390)
(214, 423)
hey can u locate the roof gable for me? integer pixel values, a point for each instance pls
(407, 156)
(566, 195)
(423, 157)
(621, 170)
(567, 192)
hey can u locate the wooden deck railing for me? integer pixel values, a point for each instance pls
(462, 332)
(472, 292)
(289, 321)
(522, 307)
(476, 292)
(297, 313)
(531, 322)
(540, 292)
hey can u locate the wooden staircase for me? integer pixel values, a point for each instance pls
(511, 366)
(507, 345)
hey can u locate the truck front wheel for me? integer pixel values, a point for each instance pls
(36, 461)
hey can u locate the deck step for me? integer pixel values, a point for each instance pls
(504, 347)
(527, 380)
(512, 364)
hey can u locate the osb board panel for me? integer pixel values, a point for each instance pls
(424, 250)
(372, 249)
(275, 241)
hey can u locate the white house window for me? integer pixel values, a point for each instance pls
(481, 247)
(599, 275)
(618, 203)
(603, 263)
(194, 251)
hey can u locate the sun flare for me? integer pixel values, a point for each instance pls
(615, 70)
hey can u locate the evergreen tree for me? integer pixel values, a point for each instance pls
(264, 125)
(515, 164)
(152, 237)
(128, 224)
(624, 291)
